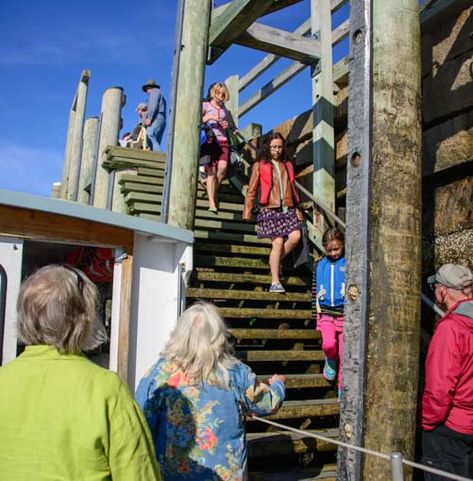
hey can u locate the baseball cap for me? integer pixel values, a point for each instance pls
(453, 276)
(141, 106)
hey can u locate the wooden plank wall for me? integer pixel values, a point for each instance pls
(447, 110)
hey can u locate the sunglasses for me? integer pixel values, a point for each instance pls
(80, 280)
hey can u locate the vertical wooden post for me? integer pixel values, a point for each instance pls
(381, 331)
(56, 190)
(89, 148)
(188, 111)
(77, 133)
(233, 104)
(322, 97)
(125, 317)
(110, 123)
(67, 153)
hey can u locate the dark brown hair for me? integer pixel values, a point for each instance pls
(331, 234)
(265, 154)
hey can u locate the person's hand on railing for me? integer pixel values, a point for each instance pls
(276, 377)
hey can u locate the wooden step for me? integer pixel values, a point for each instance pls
(283, 443)
(237, 262)
(230, 312)
(266, 355)
(227, 236)
(251, 295)
(222, 206)
(223, 225)
(301, 381)
(138, 208)
(126, 187)
(142, 179)
(302, 334)
(327, 472)
(158, 171)
(204, 213)
(231, 249)
(124, 163)
(201, 275)
(142, 197)
(305, 409)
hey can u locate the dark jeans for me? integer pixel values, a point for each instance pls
(449, 451)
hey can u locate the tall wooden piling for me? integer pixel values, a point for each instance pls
(110, 124)
(89, 148)
(383, 236)
(187, 111)
(72, 158)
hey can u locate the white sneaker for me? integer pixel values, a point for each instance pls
(277, 287)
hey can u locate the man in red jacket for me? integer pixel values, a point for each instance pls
(447, 404)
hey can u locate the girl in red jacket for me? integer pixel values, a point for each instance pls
(279, 217)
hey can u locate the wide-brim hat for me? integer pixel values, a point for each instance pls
(150, 83)
(453, 276)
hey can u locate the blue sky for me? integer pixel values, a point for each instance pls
(47, 44)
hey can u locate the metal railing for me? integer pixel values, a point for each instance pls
(396, 459)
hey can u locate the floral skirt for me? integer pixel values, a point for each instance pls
(273, 223)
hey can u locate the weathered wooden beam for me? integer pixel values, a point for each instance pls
(303, 29)
(72, 158)
(269, 60)
(232, 22)
(340, 75)
(323, 179)
(381, 328)
(110, 119)
(280, 42)
(187, 114)
(271, 87)
(278, 5)
(435, 12)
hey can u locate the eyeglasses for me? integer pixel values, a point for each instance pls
(80, 280)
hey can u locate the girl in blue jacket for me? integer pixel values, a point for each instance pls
(329, 297)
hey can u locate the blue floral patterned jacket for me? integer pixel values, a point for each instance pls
(198, 430)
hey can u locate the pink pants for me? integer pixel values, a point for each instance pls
(331, 328)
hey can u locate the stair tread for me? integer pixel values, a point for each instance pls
(327, 472)
(306, 408)
(249, 333)
(244, 278)
(279, 355)
(232, 237)
(233, 261)
(266, 313)
(206, 293)
(231, 248)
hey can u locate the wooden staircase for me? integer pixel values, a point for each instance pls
(272, 332)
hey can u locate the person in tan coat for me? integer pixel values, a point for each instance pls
(279, 218)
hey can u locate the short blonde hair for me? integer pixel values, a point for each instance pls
(199, 345)
(57, 306)
(217, 88)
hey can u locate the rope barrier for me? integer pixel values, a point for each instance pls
(394, 458)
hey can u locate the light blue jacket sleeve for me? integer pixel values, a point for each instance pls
(259, 398)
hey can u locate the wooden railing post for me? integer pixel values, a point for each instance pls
(322, 97)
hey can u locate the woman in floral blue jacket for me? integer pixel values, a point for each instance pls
(195, 399)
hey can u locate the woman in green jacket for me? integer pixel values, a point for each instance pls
(61, 416)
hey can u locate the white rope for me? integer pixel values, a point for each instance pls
(378, 454)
